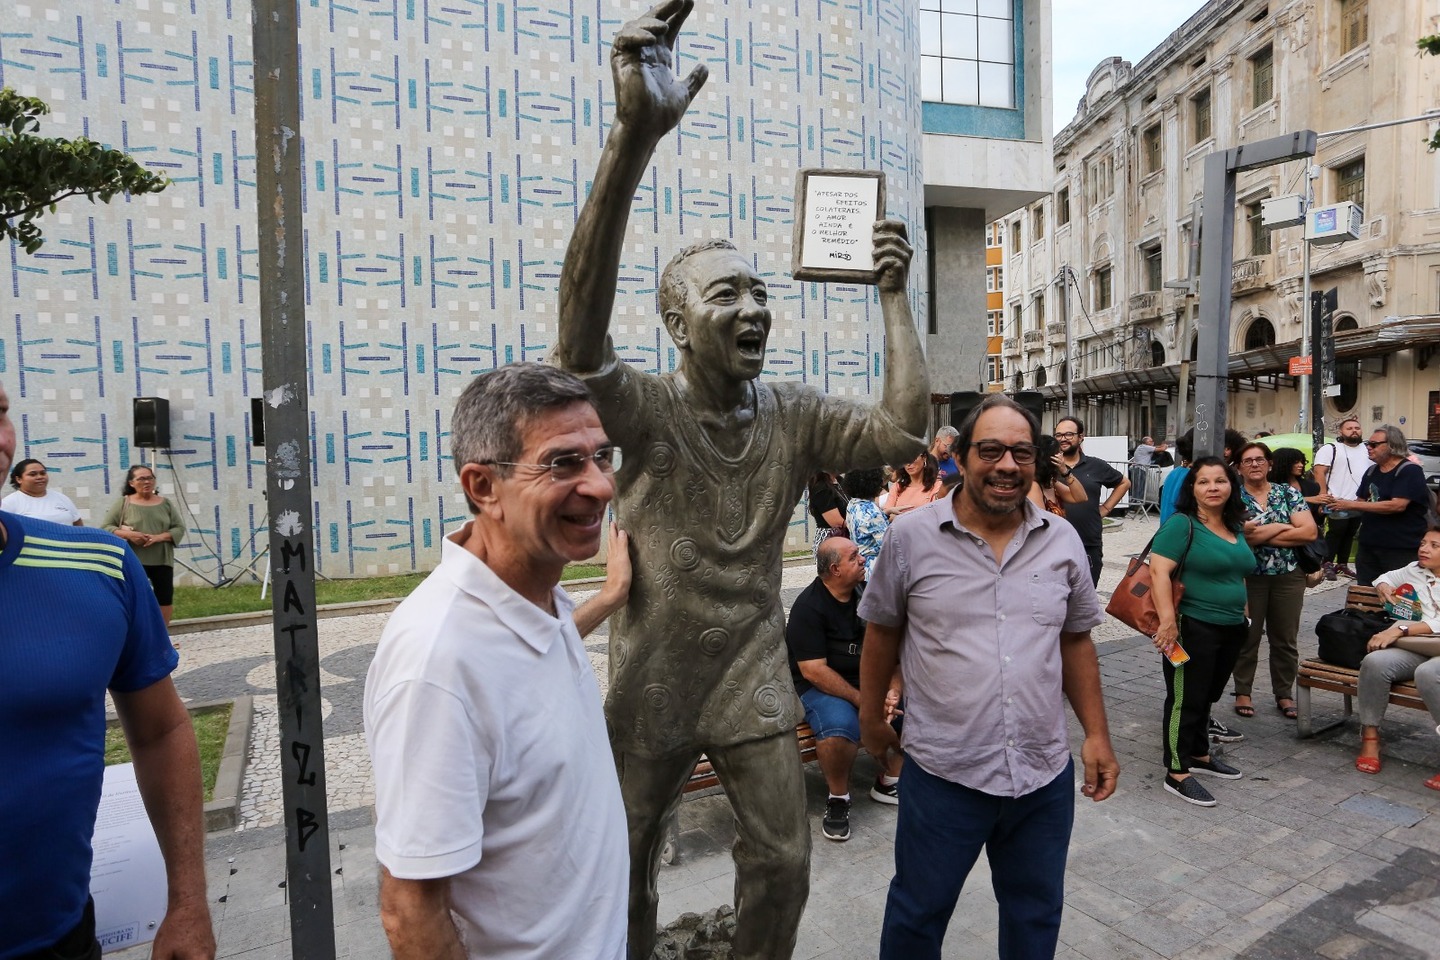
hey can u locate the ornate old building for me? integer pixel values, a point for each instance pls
(1107, 255)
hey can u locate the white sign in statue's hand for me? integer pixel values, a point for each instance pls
(649, 97)
(892, 255)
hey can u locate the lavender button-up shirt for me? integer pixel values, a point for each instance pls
(980, 647)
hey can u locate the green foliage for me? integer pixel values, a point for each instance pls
(1431, 45)
(38, 172)
(211, 724)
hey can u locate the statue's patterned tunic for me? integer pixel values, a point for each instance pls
(697, 657)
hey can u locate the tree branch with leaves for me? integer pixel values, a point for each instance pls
(37, 172)
(1431, 45)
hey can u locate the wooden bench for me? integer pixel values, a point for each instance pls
(703, 776)
(1316, 674)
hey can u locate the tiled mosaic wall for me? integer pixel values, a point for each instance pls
(447, 148)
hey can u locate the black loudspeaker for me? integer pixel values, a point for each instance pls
(257, 422)
(964, 401)
(1033, 401)
(152, 422)
(961, 403)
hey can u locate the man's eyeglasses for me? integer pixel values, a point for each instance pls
(1372, 444)
(1067, 435)
(992, 450)
(571, 466)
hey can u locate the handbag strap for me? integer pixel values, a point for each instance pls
(1180, 566)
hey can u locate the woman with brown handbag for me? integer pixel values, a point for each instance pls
(1210, 623)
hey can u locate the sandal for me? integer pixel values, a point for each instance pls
(1372, 764)
(1244, 709)
(1289, 711)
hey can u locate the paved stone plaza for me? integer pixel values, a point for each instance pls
(1305, 857)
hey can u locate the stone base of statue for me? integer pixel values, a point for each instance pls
(697, 936)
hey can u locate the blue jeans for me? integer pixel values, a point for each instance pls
(941, 828)
(830, 716)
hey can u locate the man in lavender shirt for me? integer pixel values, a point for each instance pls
(987, 758)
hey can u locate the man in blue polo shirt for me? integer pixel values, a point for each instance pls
(80, 618)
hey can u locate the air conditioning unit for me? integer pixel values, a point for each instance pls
(1282, 212)
(1334, 224)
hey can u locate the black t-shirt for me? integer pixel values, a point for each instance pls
(1397, 531)
(823, 498)
(1085, 516)
(822, 628)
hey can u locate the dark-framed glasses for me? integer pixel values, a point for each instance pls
(1252, 461)
(1372, 444)
(992, 450)
(571, 466)
(1067, 435)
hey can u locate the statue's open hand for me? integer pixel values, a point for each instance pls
(649, 97)
(892, 255)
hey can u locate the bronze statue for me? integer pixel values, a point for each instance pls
(715, 462)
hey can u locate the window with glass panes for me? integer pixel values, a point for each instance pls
(1350, 182)
(1153, 149)
(1062, 207)
(1354, 24)
(1104, 295)
(1039, 311)
(967, 52)
(1259, 235)
(1037, 223)
(1262, 77)
(1200, 116)
(997, 369)
(1153, 262)
(994, 279)
(993, 320)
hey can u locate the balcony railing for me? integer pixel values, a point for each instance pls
(1034, 336)
(1144, 305)
(1250, 274)
(1055, 328)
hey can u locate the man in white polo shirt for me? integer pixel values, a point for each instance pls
(499, 825)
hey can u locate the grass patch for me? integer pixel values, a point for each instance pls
(211, 726)
(194, 602)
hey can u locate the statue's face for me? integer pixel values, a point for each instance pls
(725, 323)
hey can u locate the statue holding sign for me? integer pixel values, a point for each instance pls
(715, 462)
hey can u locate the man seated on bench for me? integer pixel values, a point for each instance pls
(824, 634)
(1408, 649)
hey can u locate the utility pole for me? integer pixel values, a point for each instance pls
(1191, 286)
(288, 482)
(1063, 279)
(1307, 402)
(1217, 270)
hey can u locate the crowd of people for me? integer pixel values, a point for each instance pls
(150, 523)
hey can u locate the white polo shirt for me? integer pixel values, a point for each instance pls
(492, 767)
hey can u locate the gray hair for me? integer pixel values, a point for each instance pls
(674, 281)
(495, 408)
(1395, 440)
(826, 556)
(949, 433)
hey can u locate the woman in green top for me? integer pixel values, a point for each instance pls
(1203, 541)
(152, 526)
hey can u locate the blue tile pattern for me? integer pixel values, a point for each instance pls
(447, 146)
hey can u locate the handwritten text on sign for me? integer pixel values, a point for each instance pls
(839, 218)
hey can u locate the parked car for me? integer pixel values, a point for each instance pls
(1429, 453)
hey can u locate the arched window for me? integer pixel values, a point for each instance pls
(1019, 381)
(1157, 353)
(1260, 333)
(1039, 377)
(1064, 370)
(1195, 348)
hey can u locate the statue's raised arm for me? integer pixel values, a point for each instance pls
(650, 99)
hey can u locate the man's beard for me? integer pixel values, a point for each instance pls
(977, 497)
(1350, 441)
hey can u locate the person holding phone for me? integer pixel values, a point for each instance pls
(1204, 542)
